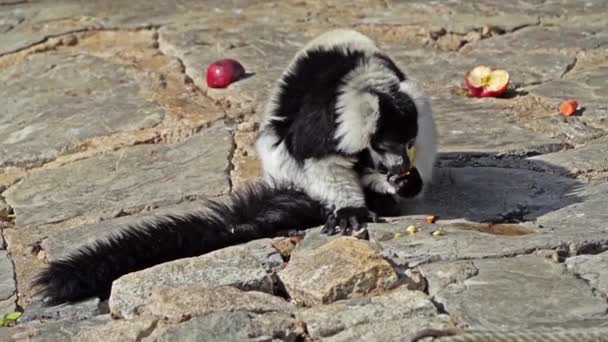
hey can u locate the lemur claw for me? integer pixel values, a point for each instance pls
(350, 221)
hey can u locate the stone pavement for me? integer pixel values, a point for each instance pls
(105, 118)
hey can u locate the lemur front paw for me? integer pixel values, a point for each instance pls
(408, 185)
(349, 221)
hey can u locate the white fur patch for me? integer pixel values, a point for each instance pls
(426, 140)
(377, 182)
(330, 180)
(346, 38)
(349, 40)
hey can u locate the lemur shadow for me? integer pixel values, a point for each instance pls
(513, 189)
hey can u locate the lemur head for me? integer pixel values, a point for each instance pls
(396, 130)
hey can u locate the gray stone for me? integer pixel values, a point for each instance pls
(7, 277)
(78, 311)
(391, 330)
(587, 215)
(64, 242)
(444, 72)
(440, 275)
(80, 96)
(590, 159)
(400, 311)
(484, 125)
(8, 305)
(343, 268)
(518, 293)
(34, 22)
(98, 329)
(457, 17)
(132, 178)
(235, 266)
(553, 210)
(493, 194)
(542, 38)
(177, 303)
(591, 268)
(236, 326)
(264, 52)
(5, 209)
(588, 87)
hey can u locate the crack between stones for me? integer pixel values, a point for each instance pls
(594, 290)
(15, 293)
(46, 39)
(230, 167)
(147, 332)
(569, 67)
(12, 3)
(187, 78)
(503, 33)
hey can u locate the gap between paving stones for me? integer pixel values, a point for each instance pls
(152, 135)
(49, 38)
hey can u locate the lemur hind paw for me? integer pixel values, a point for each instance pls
(349, 221)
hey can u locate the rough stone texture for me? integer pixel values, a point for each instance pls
(199, 301)
(400, 312)
(557, 210)
(7, 284)
(67, 241)
(525, 292)
(590, 268)
(79, 311)
(514, 161)
(132, 178)
(588, 87)
(5, 209)
(491, 193)
(234, 266)
(80, 96)
(590, 159)
(8, 305)
(559, 39)
(236, 326)
(343, 268)
(98, 329)
(264, 52)
(246, 166)
(484, 125)
(34, 21)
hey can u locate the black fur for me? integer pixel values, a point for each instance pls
(388, 62)
(398, 122)
(306, 122)
(307, 102)
(254, 212)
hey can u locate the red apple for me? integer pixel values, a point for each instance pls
(483, 81)
(223, 72)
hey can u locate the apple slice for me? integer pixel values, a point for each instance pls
(483, 81)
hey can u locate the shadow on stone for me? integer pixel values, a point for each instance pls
(496, 190)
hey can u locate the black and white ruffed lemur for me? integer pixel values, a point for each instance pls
(334, 146)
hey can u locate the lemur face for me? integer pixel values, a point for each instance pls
(391, 146)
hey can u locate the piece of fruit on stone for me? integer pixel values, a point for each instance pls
(222, 73)
(483, 81)
(568, 107)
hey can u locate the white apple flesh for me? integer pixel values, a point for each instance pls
(483, 81)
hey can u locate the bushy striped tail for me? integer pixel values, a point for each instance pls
(253, 212)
